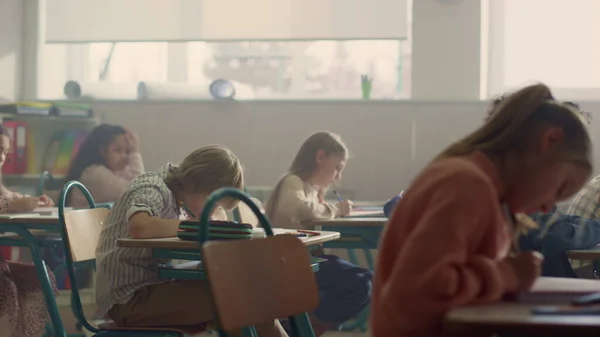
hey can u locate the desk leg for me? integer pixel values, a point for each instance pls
(42, 272)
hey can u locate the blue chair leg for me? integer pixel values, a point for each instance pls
(42, 274)
(352, 256)
(369, 258)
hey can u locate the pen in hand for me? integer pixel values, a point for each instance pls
(339, 197)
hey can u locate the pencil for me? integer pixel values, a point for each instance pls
(187, 210)
(509, 216)
(308, 232)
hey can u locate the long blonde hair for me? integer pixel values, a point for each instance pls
(305, 162)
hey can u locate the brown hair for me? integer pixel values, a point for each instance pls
(305, 162)
(517, 118)
(207, 169)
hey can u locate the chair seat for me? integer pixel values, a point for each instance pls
(185, 329)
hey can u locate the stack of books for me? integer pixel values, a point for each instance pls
(217, 230)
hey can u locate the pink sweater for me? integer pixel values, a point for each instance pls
(444, 247)
(106, 185)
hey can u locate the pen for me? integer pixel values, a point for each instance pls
(338, 195)
(308, 232)
(509, 216)
(187, 210)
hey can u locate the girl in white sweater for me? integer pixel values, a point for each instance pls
(299, 197)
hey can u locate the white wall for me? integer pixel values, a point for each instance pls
(11, 34)
(389, 141)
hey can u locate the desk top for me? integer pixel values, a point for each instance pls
(585, 254)
(504, 316)
(348, 222)
(176, 243)
(29, 219)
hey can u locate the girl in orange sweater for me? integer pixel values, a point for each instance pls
(447, 242)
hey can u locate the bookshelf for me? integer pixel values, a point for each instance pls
(41, 129)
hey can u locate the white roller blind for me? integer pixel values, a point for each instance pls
(553, 41)
(227, 20)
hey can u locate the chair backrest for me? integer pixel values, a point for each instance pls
(83, 229)
(254, 281)
(246, 215)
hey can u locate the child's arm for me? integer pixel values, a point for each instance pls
(436, 268)
(103, 183)
(569, 231)
(143, 226)
(8, 194)
(144, 208)
(135, 167)
(292, 198)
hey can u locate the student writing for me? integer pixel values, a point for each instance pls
(447, 242)
(299, 197)
(128, 287)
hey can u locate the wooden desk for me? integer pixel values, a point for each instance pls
(585, 254)
(347, 222)
(177, 244)
(516, 317)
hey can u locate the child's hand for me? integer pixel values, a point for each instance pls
(25, 204)
(133, 141)
(527, 266)
(344, 207)
(45, 201)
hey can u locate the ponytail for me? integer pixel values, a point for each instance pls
(514, 121)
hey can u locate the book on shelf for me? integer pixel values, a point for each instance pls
(16, 159)
(72, 109)
(26, 108)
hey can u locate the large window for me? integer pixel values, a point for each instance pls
(312, 69)
(272, 70)
(553, 41)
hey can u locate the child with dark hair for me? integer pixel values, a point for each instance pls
(106, 162)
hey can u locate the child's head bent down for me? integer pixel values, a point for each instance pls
(202, 172)
(106, 145)
(321, 159)
(540, 146)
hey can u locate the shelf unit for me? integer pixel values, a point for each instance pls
(42, 128)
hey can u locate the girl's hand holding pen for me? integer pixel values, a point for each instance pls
(527, 267)
(344, 207)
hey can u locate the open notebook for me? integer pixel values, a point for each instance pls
(560, 291)
(43, 212)
(367, 212)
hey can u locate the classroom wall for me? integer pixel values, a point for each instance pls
(389, 141)
(11, 33)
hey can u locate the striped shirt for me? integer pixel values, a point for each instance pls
(120, 271)
(587, 202)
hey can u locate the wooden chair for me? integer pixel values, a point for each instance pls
(244, 214)
(257, 281)
(81, 232)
